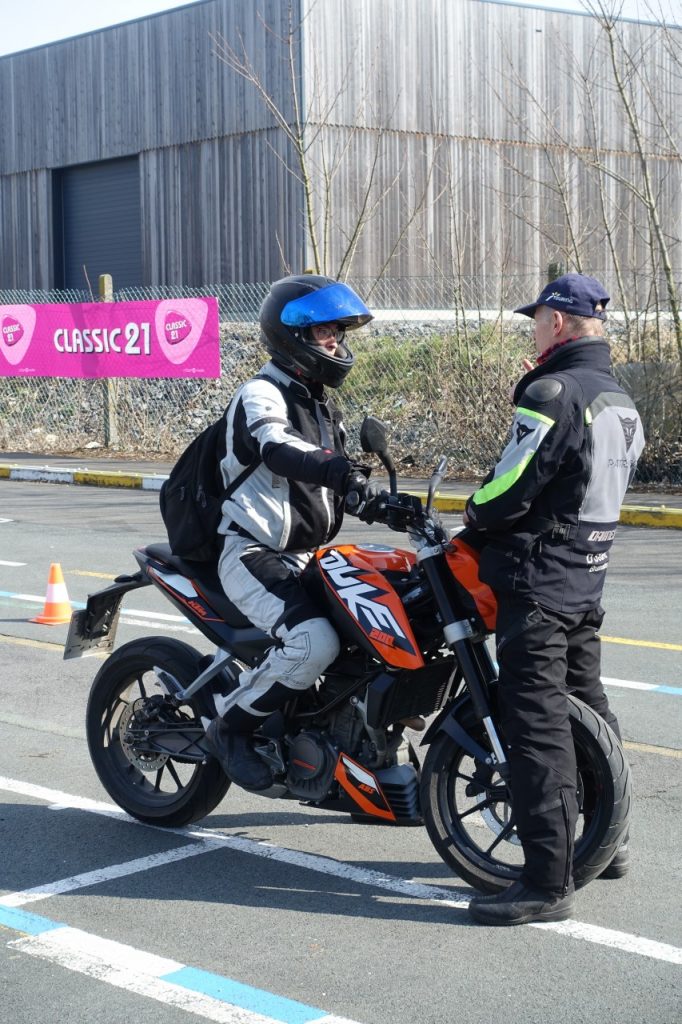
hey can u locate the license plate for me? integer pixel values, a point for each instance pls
(82, 642)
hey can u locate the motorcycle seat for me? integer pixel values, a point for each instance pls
(205, 576)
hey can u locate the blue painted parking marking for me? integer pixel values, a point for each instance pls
(150, 975)
(29, 924)
(234, 992)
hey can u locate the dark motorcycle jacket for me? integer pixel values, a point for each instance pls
(285, 439)
(550, 506)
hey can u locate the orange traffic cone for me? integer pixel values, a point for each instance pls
(57, 605)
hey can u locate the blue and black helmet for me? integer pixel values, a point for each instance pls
(292, 307)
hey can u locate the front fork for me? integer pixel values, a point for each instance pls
(478, 672)
(472, 656)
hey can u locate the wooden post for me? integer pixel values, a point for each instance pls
(106, 294)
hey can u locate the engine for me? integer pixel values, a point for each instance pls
(313, 753)
(312, 759)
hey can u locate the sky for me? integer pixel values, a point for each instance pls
(35, 22)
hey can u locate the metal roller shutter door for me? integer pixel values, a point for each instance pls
(102, 223)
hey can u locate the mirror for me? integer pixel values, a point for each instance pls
(373, 435)
(373, 439)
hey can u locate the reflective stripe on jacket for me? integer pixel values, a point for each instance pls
(550, 506)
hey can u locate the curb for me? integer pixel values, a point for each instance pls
(631, 515)
(652, 515)
(89, 477)
(660, 516)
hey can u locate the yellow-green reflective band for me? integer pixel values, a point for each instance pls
(535, 416)
(496, 487)
(588, 417)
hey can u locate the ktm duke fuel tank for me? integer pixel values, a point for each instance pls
(365, 602)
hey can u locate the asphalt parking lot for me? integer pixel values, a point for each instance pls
(275, 911)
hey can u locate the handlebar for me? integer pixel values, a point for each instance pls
(397, 511)
(400, 511)
(403, 511)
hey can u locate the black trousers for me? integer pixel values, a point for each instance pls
(543, 656)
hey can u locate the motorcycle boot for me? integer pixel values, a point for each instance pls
(521, 904)
(238, 759)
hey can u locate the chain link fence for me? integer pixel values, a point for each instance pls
(437, 372)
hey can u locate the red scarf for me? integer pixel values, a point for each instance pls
(544, 356)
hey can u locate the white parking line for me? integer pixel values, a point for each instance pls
(101, 875)
(129, 616)
(164, 627)
(457, 899)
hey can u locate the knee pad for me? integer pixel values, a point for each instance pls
(308, 647)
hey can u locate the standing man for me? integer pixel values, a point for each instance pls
(549, 511)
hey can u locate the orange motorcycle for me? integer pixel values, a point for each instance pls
(413, 627)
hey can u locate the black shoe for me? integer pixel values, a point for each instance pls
(519, 904)
(620, 865)
(238, 759)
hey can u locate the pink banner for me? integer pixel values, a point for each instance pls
(172, 338)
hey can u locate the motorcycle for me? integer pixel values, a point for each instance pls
(413, 626)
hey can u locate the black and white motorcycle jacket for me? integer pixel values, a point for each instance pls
(286, 440)
(550, 506)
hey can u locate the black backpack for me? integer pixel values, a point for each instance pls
(191, 498)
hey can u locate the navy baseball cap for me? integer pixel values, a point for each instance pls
(576, 294)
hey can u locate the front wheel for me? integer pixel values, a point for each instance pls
(157, 788)
(468, 814)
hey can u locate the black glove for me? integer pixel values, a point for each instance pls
(362, 500)
(375, 506)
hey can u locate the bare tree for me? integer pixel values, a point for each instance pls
(617, 77)
(324, 142)
(630, 74)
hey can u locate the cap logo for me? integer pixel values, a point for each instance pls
(561, 298)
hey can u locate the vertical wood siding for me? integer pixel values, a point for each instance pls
(472, 114)
(218, 215)
(138, 86)
(26, 235)
(488, 110)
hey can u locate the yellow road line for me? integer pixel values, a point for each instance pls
(43, 645)
(649, 748)
(641, 643)
(85, 572)
(21, 641)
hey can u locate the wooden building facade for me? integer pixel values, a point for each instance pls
(460, 140)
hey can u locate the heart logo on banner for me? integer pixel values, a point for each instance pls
(176, 328)
(17, 324)
(179, 323)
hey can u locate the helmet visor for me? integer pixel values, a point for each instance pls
(335, 304)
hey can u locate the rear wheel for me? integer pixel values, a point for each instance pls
(468, 812)
(157, 788)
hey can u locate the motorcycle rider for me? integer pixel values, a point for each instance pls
(549, 511)
(285, 443)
